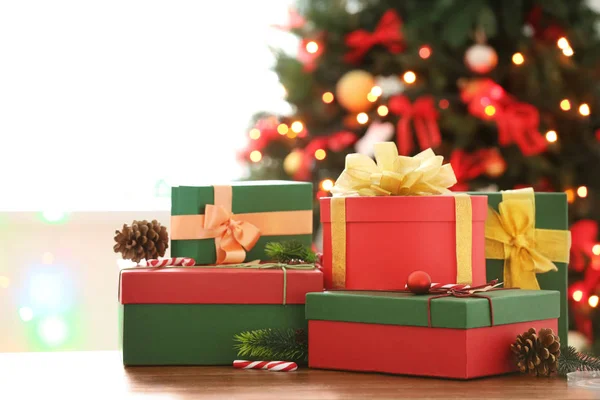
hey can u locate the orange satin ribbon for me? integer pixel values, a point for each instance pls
(235, 234)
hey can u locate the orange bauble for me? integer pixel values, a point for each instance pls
(352, 89)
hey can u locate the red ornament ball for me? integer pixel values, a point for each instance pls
(419, 282)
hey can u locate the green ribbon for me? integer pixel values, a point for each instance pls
(284, 267)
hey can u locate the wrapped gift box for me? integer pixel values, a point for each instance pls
(389, 332)
(386, 238)
(189, 316)
(279, 210)
(549, 213)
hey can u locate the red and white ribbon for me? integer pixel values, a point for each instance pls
(174, 262)
(442, 286)
(275, 366)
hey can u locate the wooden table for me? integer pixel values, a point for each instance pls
(100, 375)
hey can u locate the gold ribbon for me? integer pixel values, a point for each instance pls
(420, 175)
(236, 234)
(394, 175)
(510, 235)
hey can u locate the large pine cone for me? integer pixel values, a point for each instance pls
(142, 240)
(537, 354)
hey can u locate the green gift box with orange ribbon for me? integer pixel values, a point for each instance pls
(229, 224)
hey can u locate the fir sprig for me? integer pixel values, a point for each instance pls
(290, 251)
(571, 360)
(273, 345)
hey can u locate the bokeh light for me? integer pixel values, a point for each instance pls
(362, 118)
(53, 330)
(518, 59)
(593, 301)
(425, 52)
(409, 77)
(551, 136)
(26, 314)
(382, 110)
(577, 295)
(326, 184)
(255, 156)
(565, 105)
(582, 191)
(320, 154)
(254, 133)
(327, 97)
(282, 129)
(54, 216)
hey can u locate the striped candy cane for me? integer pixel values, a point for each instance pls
(175, 262)
(275, 366)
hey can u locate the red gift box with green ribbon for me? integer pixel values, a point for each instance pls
(189, 316)
(460, 337)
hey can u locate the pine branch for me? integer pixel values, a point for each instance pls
(273, 345)
(289, 252)
(571, 360)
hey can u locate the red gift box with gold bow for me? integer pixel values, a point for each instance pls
(390, 217)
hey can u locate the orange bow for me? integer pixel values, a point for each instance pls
(232, 237)
(424, 116)
(387, 33)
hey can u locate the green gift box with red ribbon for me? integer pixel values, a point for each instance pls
(427, 335)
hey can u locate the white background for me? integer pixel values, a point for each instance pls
(101, 99)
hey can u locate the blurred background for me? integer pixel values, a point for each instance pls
(105, 106)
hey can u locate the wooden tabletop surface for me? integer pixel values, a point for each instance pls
(91, 375)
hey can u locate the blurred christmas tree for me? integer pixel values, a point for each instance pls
(505, 90)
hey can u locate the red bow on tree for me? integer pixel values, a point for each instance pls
(336, 143)
(517, 122)
(584, 235)
(467, 167)
(423, 115)
(387, 33)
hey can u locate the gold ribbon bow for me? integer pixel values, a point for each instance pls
(394, 175)
(510, 235)
(232, 237)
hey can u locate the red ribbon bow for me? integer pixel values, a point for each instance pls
(387, 33)
(424, 117)
(518, 123)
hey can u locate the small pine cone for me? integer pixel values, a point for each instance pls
(537, 354)
(142, 240)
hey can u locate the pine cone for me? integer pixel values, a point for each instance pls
(537, 354)
(142, 240)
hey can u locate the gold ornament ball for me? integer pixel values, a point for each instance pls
(292, 162)
(352, 90)
(481, 58)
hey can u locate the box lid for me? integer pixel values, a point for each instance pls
(404, 208)
(201, 285)
(390, 308)
(247, 197)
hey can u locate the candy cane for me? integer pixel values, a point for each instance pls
(175, 262)
(448, 286)
(275, 366)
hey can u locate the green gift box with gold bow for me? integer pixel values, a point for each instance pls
(528, 243)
